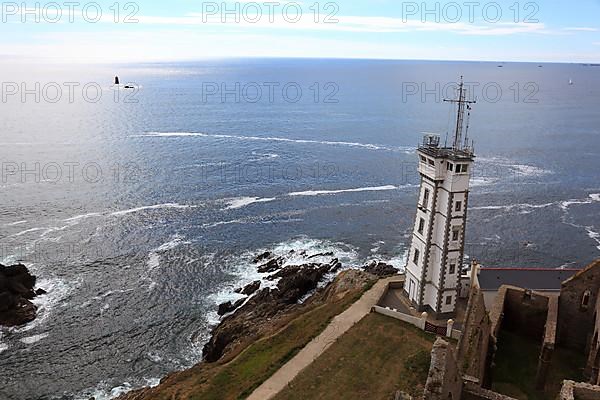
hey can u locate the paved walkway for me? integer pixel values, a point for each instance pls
(338, 326)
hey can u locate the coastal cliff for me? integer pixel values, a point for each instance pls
(264, 330)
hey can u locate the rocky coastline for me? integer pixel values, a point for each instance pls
(245, 317)
(264, 310)
(17, 289)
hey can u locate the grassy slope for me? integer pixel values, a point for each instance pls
(238, 378)
(373, 360)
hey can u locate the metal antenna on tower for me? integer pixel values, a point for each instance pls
(462, 104)
(466, 143)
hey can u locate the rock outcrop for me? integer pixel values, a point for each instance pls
(249, 289)
(16, 291)
(381, 269)
(294, 283)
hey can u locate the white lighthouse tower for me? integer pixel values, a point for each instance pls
(436, 254)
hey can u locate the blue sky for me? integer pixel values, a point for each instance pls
(173, 30)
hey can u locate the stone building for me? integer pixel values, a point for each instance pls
(577, 308)
(553, 318)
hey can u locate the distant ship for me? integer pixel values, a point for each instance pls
(570, 82)
(118, 83)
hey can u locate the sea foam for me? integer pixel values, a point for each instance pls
(153, 207)
(355, 190)
(368, 146)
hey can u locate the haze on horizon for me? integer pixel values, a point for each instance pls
(105, 31)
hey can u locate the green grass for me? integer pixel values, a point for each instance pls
(373, 360)
(238, 378)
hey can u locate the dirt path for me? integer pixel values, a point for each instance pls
(338, 326)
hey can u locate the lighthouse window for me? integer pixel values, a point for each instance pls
(426, 198)
(423, 159)
(458, 206)
(431, 162)
(455, 234)
(450, 166)
(448, 300)
(421, 225)
(416, 256)
(452, 269)
(461, 168)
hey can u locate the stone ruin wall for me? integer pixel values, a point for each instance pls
(474, 345)
(576, 324)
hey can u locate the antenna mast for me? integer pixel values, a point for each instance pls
(462, 104)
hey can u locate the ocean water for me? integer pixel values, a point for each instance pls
(141, 211)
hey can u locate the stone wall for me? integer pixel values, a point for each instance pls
(444, 381)
(474, 392)
(592, 368)
(474, 343)
(548, 343)
(576, 320)
(531, 314)
(525, 312)
(579, 391)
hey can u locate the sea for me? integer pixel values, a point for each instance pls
(140, 206)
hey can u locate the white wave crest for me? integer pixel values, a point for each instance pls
(104, 392)
(27, 231)
(324, 192)
(295, 252)
(275, 139)
(153, 207)
(34, 339)
(16, 223)
(523, 208)
(154, 255)
(57, 290)
(81, 217)
(241, 202)
(3, 346)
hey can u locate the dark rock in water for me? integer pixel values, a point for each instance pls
(336, 265)
(328, 254)
(271, 265)
(40, 292)
(251, 288)
(262, 257)
(381, 269)
(227, 307)
(129, 87)
(16, 291)
(299, 281)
